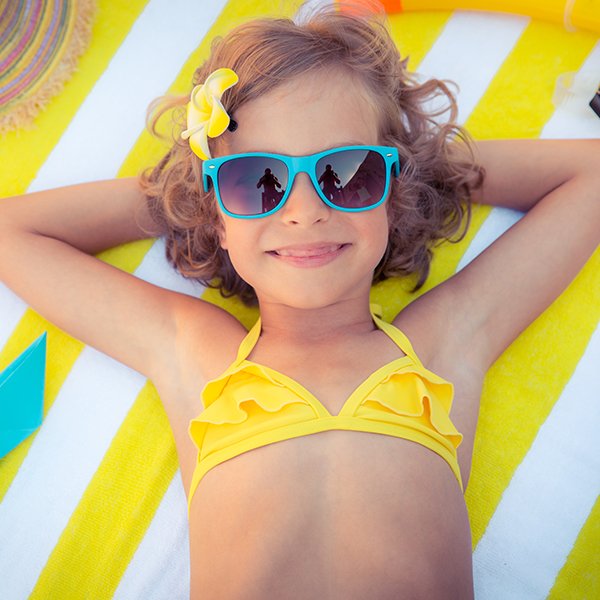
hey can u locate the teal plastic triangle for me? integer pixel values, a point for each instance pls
(22, 395)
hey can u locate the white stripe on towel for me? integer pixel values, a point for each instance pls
(63, 457)
(160, 567)
(105, 128)
(11, 311)
(155, 269)
(498, 221)
(107, 125)
(99, 391)
(69, 447)
(523, 548)
(574, 118)
(549, 497)
(471, 91)
(469, 51)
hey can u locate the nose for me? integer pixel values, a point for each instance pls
(304, 206)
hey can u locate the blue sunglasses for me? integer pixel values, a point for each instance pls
(257, 184)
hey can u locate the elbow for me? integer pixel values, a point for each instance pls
(589, 159)
(6, 214)
(11, 219)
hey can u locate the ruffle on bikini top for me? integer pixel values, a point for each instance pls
(263, 399)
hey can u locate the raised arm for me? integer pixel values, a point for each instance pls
(485, 306)
(47, 240)
(520, 173)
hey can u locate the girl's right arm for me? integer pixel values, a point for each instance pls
(47, 242)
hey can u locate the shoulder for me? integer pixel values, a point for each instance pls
(206, 339)
(440, 336)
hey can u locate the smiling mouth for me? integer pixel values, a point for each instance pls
(314, 251)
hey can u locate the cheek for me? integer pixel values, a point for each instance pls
(381, 250)
(222, 233)
(231, 232)
(228, 238)
(241, 242)
(379, 234)
(239, 260)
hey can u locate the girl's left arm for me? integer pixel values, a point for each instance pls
(496, 296)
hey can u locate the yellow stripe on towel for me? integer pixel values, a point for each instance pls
(414, 35)
(141, 452)
(518, 103)
(116, 509)
(523, 386)
(578, 579)
(532, 361)
(543, 51)
(148, 149)
(63, 351)
(23, 152)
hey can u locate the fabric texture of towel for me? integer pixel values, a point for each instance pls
(92, 504)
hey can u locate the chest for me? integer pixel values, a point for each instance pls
(332, 387)
(332, 377)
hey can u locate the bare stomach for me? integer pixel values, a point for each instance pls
(338, 514)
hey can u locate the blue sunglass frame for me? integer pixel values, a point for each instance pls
(300, 164)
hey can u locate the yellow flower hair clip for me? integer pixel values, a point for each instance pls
(205, 113)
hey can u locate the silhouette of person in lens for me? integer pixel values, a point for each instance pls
(328, 181)
(270, 196)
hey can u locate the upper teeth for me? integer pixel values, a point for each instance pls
(310, 252)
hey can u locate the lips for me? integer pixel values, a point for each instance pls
(307, 250)
(309, 255)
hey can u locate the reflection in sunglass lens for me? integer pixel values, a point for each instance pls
(252, 185)
(352, 178)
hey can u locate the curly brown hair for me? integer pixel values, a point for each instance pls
(428, 203)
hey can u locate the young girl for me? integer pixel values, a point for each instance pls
(325, 452)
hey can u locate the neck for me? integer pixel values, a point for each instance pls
(316, 325)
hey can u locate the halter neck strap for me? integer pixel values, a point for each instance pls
(249, 342)
(397, 336)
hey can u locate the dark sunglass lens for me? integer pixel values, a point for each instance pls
(352, 178)
(252, 185)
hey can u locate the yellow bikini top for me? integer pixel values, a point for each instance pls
(251, 405)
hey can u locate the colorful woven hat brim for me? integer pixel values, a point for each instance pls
(40, 44)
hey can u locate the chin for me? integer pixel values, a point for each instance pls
(299, 301)
(310, 298)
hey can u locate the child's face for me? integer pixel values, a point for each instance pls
(310, 114)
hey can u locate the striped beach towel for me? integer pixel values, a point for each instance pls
(92, 505)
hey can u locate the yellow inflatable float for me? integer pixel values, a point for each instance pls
(573, 14)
